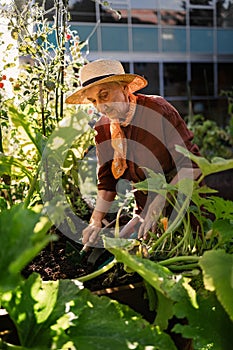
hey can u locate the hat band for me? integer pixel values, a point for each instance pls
(93, 80)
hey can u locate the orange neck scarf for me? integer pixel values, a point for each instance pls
(118, 140)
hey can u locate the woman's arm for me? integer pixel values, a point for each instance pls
(103, 203)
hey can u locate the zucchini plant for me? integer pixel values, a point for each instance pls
(187, 273)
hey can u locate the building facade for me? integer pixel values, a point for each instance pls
(183, 48)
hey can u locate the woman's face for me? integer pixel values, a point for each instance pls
(110, 99)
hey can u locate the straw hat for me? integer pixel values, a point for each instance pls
(104, 71)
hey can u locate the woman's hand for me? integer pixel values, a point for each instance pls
(153, 213)
(91, 233)
(103, 202)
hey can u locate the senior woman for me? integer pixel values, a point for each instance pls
(135, 132)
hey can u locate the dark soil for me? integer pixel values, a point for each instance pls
(60, 260)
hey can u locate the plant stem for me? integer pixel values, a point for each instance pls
(1, 146)
(98, 272)
(183, 267)
(184, 239)
(171, 227)
(42, 107)
(32, 188)
(58, 73)
(64, 20)
(178, 259)
(9, 346)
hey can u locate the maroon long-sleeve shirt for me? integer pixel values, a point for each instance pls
(151, 138)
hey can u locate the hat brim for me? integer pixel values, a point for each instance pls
(134, 81)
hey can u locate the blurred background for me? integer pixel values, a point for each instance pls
(183, 48)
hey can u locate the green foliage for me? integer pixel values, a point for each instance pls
(190, 271)
(229, 95)
(208, 324)
(188, 274)
(62, 156)
(23, 234)
(22, 166)
(62, 315)
(207, 167)
(47, 72)
(213, 140)
(50, 54)
(208, 310)
(217, 271)
(23, 120)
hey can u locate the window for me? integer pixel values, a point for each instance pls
(204, 107)
(120, 15)
(145, 39)
(201, 17)
(202, 40)
(49, 7)
(201, 2)
(224, 13)
(175, 79)
(225, 76)
(176, 5)
(148, 4)
(144, 16)
(84, 31)
(126, 66)
(151, 73)
(82, 11)
(224, 41)
(202, 79)
(173, 13)
(114, 38)
(173, 39)
(173, 18)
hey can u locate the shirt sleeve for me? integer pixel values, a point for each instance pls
(176, 132)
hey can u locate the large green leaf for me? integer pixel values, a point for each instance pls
(60, 315)
(207, 167)
(35, 306)
(21, 119)
(164, 311)
(221, 208)
(170, 288)
(155, 182)
(156, 275)
(22, 236)
(223, 229)
(208, 325)
(217, 268)
(120, 328)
